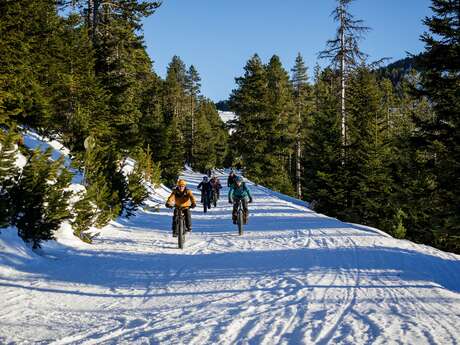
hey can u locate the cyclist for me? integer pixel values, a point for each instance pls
(239, 191)
(231, 178)
(206, 190)
(216, 186)
(181, 197)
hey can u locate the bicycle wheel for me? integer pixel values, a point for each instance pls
(181, 231)
(239, 221)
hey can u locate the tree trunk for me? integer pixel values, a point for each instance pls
(342, 83)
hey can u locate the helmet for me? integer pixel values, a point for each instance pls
(181, 183)
(238, 179)
(205, 178)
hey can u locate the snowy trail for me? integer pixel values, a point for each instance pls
(294, 277)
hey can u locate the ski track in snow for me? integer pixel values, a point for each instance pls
(294, 277)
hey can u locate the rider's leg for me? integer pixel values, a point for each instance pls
(209, 199)
(245, 210)
(173, 226)
(188, 219)
(235, 212)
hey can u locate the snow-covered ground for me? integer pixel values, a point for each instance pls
(294, 277)
(226, 116)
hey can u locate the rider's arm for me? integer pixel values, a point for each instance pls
(230, 194)
(192, 197)
(249, 193)
(171, 199)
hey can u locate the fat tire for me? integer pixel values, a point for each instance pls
(181, 232)
(240, 222)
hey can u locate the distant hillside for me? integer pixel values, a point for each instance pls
(223, 105)
(399, 69)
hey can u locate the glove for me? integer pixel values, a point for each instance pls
(168, 205)
(230, 201)
(193, 205)
(250, 200)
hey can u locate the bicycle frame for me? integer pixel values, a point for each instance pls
(239, 215)
(180, 226)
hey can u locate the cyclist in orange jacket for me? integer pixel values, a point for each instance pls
(181, 197)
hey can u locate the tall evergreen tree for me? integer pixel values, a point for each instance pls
(344, 53)
(302, 101)
(8, 175)
(368, 183)
(281, 131)
(174, 90)
(204, 155)
(323, 177)
(41, 198)
(439, 137)
(192, 89)
(27, 31)
(265, 122)
(249, 102)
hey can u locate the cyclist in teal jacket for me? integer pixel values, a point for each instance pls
(239, 191)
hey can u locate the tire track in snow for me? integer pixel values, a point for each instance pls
(327, 333)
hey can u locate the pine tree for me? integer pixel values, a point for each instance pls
(204, 156)
(41, 198)
(78, 99)
(192, 88)
(27, 33)
(8, 175)
(136, 190)
(104, 181)
(282, 130)
(323, 177)
(302, 101)
(369, 184)
(249, 102)
(173, 161)
(264, 107)
(344, 52)
(438, 139)
(174, 90)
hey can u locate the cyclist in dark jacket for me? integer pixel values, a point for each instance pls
(206, 190)
(239, 191)
(216, 186)
(231, 179)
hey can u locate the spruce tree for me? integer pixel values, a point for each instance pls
(302, 102)
(41, 198)
(8, 175)
(249, 102)
(173, 161)
(192, 90)
(281, 130)
(323, 175)
(369, 184)
(438, 139)
(344, 52)
(204, 156)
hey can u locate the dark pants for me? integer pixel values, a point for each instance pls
(206, 195)
(188, 218)
(244, 203)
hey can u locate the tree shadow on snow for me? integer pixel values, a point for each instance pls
(366, 268)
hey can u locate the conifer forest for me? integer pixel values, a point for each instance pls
(363, 141)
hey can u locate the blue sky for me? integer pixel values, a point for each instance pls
(219, 36)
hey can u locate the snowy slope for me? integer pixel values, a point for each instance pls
(226, 116)
(294, 277)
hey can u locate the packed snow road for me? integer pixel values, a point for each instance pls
(294, 277)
